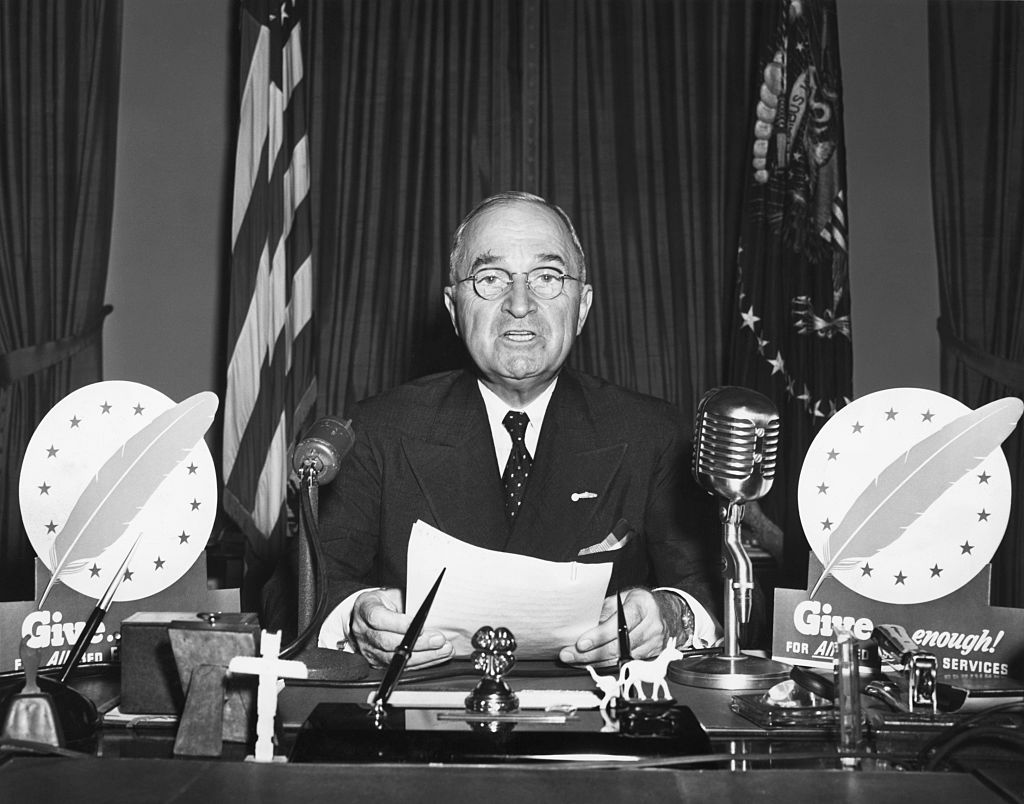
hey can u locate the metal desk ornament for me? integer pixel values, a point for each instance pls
(494, 656)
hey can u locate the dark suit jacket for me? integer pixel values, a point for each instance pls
(424, 451)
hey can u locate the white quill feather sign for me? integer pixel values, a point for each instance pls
(904, 490)
(126, 481)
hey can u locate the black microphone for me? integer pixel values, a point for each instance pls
(734, 457)
(321, 451)
(316, 460)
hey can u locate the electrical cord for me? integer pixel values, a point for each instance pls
(979, 735)
(312, 530)
(975, 729)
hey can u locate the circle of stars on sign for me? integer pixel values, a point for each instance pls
(61, 459)
(854, 448)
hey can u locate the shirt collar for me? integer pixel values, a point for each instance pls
(496, 408)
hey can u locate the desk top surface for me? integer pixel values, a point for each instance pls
(134, 764)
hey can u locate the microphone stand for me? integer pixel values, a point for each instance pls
(739, 585)
(731, 669)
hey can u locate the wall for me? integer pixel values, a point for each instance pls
(169, 245)
(893, 275)
(169, 251)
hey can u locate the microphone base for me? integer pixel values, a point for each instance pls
(721, 672)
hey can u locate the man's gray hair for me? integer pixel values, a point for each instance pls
(458, 255)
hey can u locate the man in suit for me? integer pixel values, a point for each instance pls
(456, 451)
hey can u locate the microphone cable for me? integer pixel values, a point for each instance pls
(310, 525)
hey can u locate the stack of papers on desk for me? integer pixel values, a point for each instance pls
(545, 604)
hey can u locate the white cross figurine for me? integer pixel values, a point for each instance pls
(271, 671)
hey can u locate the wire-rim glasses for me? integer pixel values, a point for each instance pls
(492, 283)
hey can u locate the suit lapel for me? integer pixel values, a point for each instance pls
(453, 463)
(571, 475)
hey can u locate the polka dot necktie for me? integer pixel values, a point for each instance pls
(517, 470)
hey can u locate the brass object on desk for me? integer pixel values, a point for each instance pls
(494, 656)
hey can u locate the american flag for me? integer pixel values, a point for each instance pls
(271, 382)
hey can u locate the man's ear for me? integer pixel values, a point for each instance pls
(449, 303)
(586, 297)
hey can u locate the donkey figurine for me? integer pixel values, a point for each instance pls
(634, 673)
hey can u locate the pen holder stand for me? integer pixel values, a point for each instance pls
(494, 656)
(41, 710)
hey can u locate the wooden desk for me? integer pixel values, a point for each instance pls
(135, 765)
(139, 781)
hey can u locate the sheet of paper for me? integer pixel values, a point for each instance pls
(545, 604)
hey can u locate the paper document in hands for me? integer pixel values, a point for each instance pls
(545, 604)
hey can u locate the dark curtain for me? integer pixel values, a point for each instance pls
(977, 110)
(633, 115)
(59, 84)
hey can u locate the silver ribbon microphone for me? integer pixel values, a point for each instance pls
(734, 458)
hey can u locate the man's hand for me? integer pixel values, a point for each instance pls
(378, 626)
(648, 632)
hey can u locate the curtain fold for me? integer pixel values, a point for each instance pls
(630, 114)
(977, 103)
(59, 84)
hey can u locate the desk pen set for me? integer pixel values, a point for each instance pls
(494, 725)
(910, 699)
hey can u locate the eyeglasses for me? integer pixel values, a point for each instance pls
(544, 283)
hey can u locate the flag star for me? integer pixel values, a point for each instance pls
(52, 527)
(192, 468)
(778, 364)
(761, 344)
(159, 563)
(749, 319)
(817, 409)
(826, 524)
(195, 504)
(806, 395)
(822, 489)
(890, 415)
(832, 454)
(857, 427)
(984, 477)
(75, 421)
(936, 571)
(105, 407)
(94, 571)
(183, 537)
(138, 409)
(52, 451)
(128, 574)
(966, 548)
(44, 489)
(983, 515)
(866, 570)
(900, 578)
(791, 387)
(927, 416)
